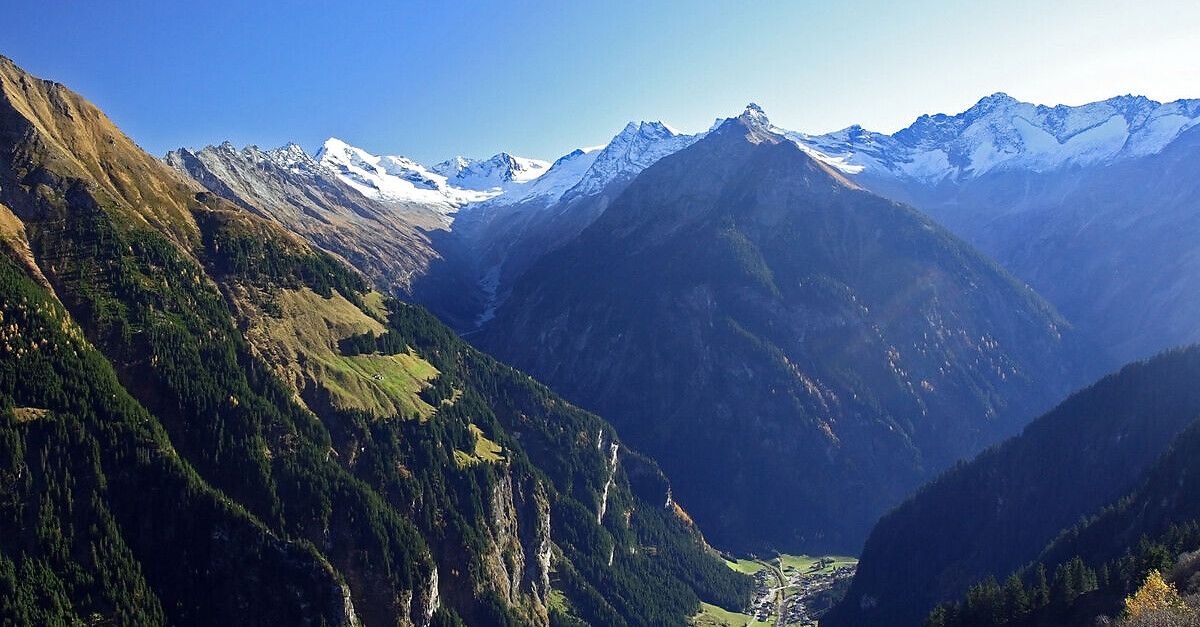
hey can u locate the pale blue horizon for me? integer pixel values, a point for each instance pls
(537, 78)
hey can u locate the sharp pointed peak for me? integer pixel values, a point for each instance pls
(291, 149)
(994, 101)
(648, 128)
(333, 143)
(754, 117)
(753, 120)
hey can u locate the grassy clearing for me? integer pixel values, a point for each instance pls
(748, 567)
(29, 414)
(373, 301)
(803, 563)
(384, 385)
(302, 338)
(713, 616)
(486, 451)
(557, 600)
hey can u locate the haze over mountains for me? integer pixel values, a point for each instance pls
(214, 410)
(1004, 509)
(1090, 205)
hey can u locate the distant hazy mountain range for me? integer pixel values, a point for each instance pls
(1093, 206)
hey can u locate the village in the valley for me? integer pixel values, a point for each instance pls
(789, 590)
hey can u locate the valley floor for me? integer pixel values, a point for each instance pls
(789, 590)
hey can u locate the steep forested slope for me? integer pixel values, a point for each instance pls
(997, 513)
(189, 440)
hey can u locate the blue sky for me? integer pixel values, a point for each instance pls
(538, 78)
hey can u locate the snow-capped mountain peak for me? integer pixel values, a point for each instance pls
(560, 177)
(452, 166)
(492, 173)
(449, 185)
(587, 171)
(336, 150)
(291, 157)
(998, 100)
(753, 122)
(755, 117)
(638, 146)
(393, 178)
(1000, 133)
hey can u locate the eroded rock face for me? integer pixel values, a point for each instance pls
(349, 617)
(521, 555)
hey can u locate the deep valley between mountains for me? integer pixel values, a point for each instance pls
(745, 376)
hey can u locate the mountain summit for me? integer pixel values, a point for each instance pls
(490, 174)
(754, 117)
(798, 352)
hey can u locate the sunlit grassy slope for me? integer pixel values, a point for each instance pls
(485, 451)
(302, 333)
(713, 616)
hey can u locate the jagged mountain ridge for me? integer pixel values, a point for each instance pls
(492, 173)
(990, 174)
(452, 236)
(386, 241)
(496, 241)
(502, 179)
(248, 483)
(1002, 133)
(395, 178)
(716, 307)
(997, 133)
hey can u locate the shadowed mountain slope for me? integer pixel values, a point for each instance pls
(797, 352)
